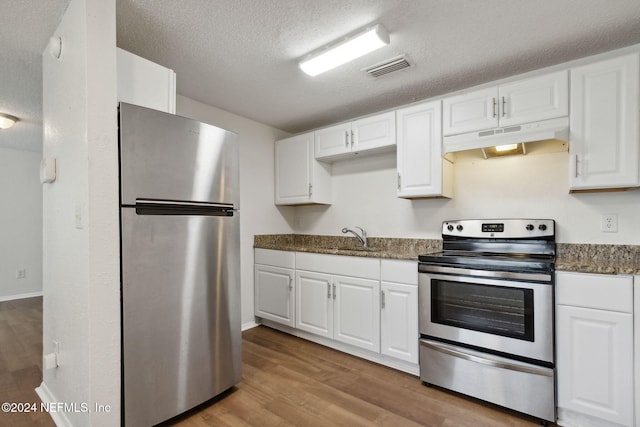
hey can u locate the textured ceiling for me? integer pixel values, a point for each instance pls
(25, 27)
(242, 55)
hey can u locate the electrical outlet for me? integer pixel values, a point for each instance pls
(609, 223)
(21, 273)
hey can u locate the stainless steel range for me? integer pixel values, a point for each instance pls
(486, 313)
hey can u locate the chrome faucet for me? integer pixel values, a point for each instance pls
(362, 238)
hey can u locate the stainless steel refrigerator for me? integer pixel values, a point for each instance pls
(180, 251)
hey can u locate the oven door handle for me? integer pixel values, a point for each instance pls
(486, 280)
(486, 360)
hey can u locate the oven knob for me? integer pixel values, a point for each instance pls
(542, 227)
(530, 227)
(450, 227)
(459, 227)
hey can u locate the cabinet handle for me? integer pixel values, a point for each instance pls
(334, 291)
(399, 180)
(382, 301)
(346, 138)
(329, 290)
(495, 106)
(310, 189)
(504, 106)
(353, 139)
(576, 171)
(290, 284)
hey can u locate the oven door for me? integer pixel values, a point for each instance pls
(506, 316)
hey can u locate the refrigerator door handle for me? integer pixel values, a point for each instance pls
(171, 207)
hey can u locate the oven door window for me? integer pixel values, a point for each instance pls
(497, 310)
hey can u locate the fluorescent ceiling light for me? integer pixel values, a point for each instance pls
(6, 121)
(508, 147)
(344, 51)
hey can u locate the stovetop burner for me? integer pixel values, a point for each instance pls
(518, 245)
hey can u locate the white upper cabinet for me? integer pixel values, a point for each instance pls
(604, 125)
(534, 99)
(145, 83)
(364, 136)
(333, 141)
(422, 172)
(471, 111)
(300, 179)
(510, 104)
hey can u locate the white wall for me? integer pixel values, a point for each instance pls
(81, 234)
(535, 185)
(20, 223)
(258, 214)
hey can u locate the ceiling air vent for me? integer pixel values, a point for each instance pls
(388, 66)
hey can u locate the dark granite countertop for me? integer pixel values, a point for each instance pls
(378, 247)
(602, 259)
(576, 257)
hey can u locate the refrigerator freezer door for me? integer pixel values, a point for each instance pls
(168, 157)
(181, 312)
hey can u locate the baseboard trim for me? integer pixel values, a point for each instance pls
(20, 296)
(400, 365)
(248, 325)
(47, 398)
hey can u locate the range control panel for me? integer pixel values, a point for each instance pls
(499, 228)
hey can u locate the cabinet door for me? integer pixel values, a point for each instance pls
(535, 99)
(372, 133)
(470, 112)
(420, 163)
(275, 294)
(333, 141)
(293, 169)
(604, 125)
(314, 303)
(595, 363)
(357, 312)
(399, 321)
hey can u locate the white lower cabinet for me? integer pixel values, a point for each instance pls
(356, 312)
(594, 335)
(343, 308)
(399, 310)
(360, 305)
(274, 290)
(314, 306)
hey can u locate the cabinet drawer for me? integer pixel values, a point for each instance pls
(284, 259)
(599, 291)
(366, 268)
(399, 271)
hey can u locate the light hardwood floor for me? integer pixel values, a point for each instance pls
(286, 381)
(21, 360)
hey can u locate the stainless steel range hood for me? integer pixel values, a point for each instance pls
(555, 129)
